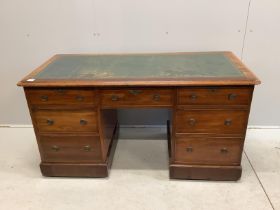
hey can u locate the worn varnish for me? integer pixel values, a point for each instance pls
(73, 99)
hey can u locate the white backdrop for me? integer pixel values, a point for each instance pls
(31, 31)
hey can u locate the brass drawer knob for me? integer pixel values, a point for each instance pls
(224, 150)
(80, 98)
(60, 91)
(50, 122)
(189, 149)
(213, 89)
(135, 92)
(228, 122)
(44, 98)
(87, 148)
(156, 97)
(83, 122)
(55, 148)
(232, 96)
(192, 122)
(193, 96)
(115, 98)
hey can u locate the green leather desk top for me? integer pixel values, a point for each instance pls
(139, 66)
(129, 67)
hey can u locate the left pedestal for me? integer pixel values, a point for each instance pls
(75, 137)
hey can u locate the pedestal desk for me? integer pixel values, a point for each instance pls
(73, 100)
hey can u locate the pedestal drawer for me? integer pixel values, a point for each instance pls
(215, 95)
(66, 120)
(56, 96)
(136, 97)
(70, 148)
(209, 150)
(211, 121)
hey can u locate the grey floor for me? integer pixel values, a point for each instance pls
(139, 177)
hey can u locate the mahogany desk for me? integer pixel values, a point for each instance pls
(73, 99)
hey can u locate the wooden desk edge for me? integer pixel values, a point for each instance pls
(249, 79)
(137, 83)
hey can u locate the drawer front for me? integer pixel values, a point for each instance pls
(66, 120)
(137, 97)
(214, 96)
(60, 96)
(211, 121)
(58, 148)
(214, 151)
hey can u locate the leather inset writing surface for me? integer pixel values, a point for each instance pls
(90, 67)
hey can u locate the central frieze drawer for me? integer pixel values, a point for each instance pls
(56, 96)
(66, 120)
(67, 148)
(214, 96)
(208, 150)
(211, 121)
(136, 97)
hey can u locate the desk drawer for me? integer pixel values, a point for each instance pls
(52, 96)
(209, 150)
(211, 121)
(66, 120)
(137, 97)
(58, 148)
(215, 96)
